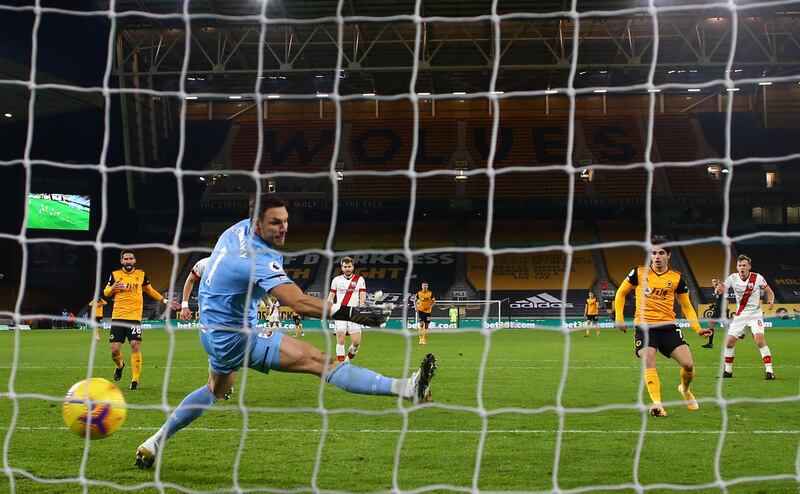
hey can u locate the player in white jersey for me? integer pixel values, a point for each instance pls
(274, 315)
(747, 286)
(348, 290)
(188, 286)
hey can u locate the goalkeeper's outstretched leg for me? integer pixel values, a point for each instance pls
(285, 355)
(229, 349)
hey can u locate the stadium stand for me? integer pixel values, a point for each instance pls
(620, 260)
(749, 138)
(677, 142)
(707, 261)
(382, 144)
(777, 262)
(532, 141)
(310, 236)
(204, 140)
(533, 282)
(614, 230)
(391, 187)
(438, 140)
(157, 264)
(390, 235)
(385, 144)
(532, 184)
(442, 187)
(387, 271)
(289, 146)
(621, 183)
(526, 233)
(614, 140)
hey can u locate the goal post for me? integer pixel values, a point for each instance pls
(470, 314)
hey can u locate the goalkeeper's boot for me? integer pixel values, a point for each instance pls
(656, 410)
(688, 397)
(118, 372)
(146, 454)
(421, 380)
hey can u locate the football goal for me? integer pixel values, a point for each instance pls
(470, 313)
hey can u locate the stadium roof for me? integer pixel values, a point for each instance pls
(454, 43)
(451, 44)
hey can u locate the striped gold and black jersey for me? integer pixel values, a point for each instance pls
(129, 301)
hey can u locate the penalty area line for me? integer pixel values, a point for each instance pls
(428, 431)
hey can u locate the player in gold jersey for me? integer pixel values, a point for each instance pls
(590, 313)
(98, 314)
(424, 305)
(657, 286)
(126, 286)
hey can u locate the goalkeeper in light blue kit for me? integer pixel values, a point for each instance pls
(245, 259)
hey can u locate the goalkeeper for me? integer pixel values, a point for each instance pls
(244, 267)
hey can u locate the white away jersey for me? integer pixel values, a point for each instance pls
(348, 290)
(199, 267)
(274, 314)
(748, 293)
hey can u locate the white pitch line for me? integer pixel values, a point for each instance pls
(489, 367)
(431, 431)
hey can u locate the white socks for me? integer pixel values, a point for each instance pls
(728, 359)
(766, 357)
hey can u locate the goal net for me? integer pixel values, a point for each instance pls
(523, 151)
(463, 314)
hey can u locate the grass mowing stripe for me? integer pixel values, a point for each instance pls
(427, 431)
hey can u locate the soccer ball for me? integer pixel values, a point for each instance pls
(94, 402)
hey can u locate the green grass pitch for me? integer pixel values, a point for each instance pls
(69, 219)
(442, 444)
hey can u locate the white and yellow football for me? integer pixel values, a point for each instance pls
(94, 403)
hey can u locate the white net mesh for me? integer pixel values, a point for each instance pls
(487, 415)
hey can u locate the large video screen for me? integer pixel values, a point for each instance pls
(50, 211)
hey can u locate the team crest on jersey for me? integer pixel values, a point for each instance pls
(750, 286)
(669, 284)
(275, 266)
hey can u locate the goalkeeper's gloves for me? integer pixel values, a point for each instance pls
(367, 315)
(374, 298)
